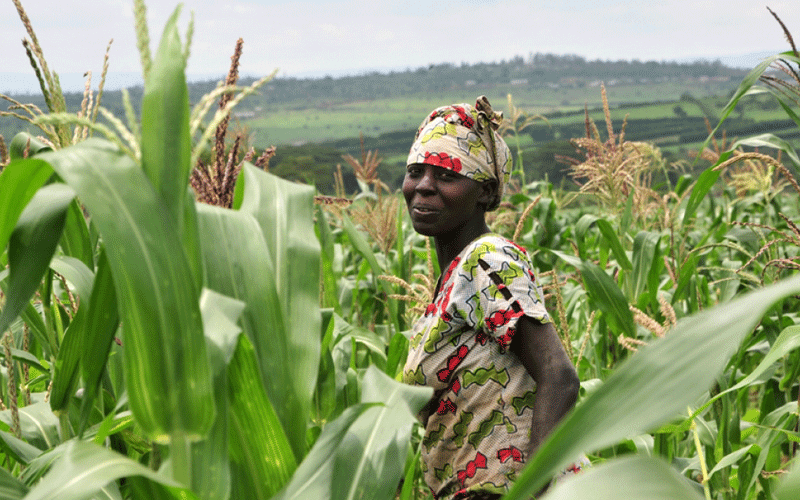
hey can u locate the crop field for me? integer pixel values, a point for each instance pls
(179, 323)
(282, 124)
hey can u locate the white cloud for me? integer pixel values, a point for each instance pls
(327, 35)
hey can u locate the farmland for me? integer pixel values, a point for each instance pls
(179, 322)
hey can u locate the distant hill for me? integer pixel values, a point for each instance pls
(535, 71)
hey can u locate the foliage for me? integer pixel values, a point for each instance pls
(156, 347)
(517, 121)
(165, 348)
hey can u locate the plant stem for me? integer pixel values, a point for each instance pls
(702, 458)
(63, 423)
(180, 453)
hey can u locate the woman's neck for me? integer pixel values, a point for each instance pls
(449, 246)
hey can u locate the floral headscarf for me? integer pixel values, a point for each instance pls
(463, 138)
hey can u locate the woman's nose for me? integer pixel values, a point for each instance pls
(426, 183)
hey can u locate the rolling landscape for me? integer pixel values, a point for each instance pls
(208, 293)
(314, 121)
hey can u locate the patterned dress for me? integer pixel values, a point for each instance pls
(477, 425)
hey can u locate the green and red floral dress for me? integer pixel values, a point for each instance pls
(477, 425)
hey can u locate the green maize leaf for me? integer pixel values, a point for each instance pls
(77, 274)
(582, 226)
(770, 141)
(363, 248)
(790, 486)
(83, 469)
(400, 242)
(749, 80)
(284, 211)
(28, 359)
(369, 462)
(262, 461)
(733, 458)
(787, 341)
(39, 466)
(325, 394)
(645, 251)
(167, 373)
(11, 488)
(397, 353)
(66, 372)
(166, 140)
(32, 245)
(701, 188)
(709, 177)
(627, 215)
(788, 109)
(166, 143)
(239, 267)
(101, 323)
(191, 238)
(687, 271)
(329, 290)
(605, 293)
(76, 241)
(34, 320)
(23, 142)
(616, 246)
(631, 478)
(584, 223)
(342, 329)
(408, 481)
(220, 315)
(29, 314)
(211, 477)
(38, 424)
(145, 489)
(110, 492)
(112, 424)
(313, 477)
(656, 384)
(18, 449)
(19, 181)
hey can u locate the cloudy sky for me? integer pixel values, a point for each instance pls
(318, 37)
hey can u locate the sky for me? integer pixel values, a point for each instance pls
(313, 38)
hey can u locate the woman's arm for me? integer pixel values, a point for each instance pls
(538, 347)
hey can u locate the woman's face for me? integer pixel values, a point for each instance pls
(442, 202)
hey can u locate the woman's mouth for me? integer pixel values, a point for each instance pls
(424, 210)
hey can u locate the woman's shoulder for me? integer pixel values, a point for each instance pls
(491, 246)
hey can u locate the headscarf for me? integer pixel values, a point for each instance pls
(464, 139)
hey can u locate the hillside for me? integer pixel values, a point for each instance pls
(314, 121)
(557, 80)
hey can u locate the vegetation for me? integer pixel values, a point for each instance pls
(249, 346)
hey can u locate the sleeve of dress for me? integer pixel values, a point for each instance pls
(507, 289)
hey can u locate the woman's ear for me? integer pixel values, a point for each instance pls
(488, 194)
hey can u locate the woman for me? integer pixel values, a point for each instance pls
(485, 344)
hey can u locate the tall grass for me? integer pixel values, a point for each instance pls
(158, 347)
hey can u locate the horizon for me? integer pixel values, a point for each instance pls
(314, 38)
(26, 83)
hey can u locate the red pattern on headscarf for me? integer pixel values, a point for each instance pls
(443, 160)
